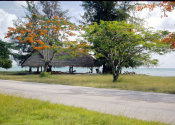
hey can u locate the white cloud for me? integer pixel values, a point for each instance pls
(168, 23)
(6, 21)
(166, 61)
(141, 2)
(153, 19)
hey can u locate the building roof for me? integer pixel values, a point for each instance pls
(38, 59)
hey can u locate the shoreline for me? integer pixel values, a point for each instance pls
(94, 73)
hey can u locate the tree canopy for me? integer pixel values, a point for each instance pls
(47, 8)
(5, 62)
(49, 34)
(122, 42)
(109, 11)
(106, 10)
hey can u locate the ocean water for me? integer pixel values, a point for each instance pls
(148, 71)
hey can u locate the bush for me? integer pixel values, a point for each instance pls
(5, 63)
(45, 74)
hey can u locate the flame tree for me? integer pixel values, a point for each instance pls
(165, 6)
(50, 34)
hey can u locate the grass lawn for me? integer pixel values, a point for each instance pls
(22, 111)
(127, 82)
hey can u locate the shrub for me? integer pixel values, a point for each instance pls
(45, 74)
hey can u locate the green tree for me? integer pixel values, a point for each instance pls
(108, 11)
(5, 62)
(122, 42)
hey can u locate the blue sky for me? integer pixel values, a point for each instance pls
(11, 10)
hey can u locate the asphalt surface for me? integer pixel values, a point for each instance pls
(142, 105)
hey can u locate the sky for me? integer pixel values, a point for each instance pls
(11, 10)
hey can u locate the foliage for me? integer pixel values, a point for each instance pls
(49, 34)
(106, 10)
(140, 60)
(133, 62)
(170, 39)
(110, 11)
(45, 74)
(122, 41)
(5, 63)
(4, 55)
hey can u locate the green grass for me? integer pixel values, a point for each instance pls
(22, 111)
(126, 82)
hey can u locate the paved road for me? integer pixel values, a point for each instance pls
(141, 105)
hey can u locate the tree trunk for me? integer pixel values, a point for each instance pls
(37, 69)
(116, 74)
(120, 72)
(114, 77)
(45, 67)
(48, 60)
(49, 69)
(114, 71)
(30, 69)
